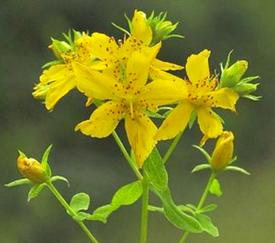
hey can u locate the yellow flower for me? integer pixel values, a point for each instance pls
(223, 152)
(113, 57)
(31, 169)
(201, 97)
(128, 97)
(59, 79)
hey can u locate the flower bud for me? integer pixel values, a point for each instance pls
(31, 169)
(59, 47)
(223, 152)
(232, 75)
(245, 88)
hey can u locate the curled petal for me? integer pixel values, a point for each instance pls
(165, 66)
(103, 120)
(140, 132)
(175, 122)
(209, 122)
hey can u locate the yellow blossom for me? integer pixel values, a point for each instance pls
(201, 97)
(113, 56)
(31, 169)
(128, 97)
(59, 79)
(223, 151)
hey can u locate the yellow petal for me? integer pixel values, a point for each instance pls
(140, 133)
(103, 46)
(197, 67)
(165, 66)
(140, 28)
(159, 74)
(163, 92)
(103, 120)
(175, 122)
(95, 84)
(55, 72)
(138, 65)
(225, 98)
(57, 90)
(209, 122)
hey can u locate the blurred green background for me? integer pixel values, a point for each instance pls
(246, 211)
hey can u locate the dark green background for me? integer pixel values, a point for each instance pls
(246, 211)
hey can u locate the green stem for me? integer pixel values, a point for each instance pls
(144, 211)
(172, 147)
(63, 202)
(127, 156)
(201, 202)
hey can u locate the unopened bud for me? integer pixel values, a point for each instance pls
(223, 152)
(245, 88)
(231, 76)
(31, 169)
(59, 48)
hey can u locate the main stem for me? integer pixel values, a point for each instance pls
(144, 211)
(201, 202)
(63, 202)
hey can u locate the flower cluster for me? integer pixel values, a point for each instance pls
(126, 81)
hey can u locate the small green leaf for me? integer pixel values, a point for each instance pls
(127, 194)
(252, 97)
(155, 209)
(102, 213)
(237, 169)
(201, 167)
(204, 152)
(51, 63)
(155, 171)
(208, 208)
(60, 178)
(80, 201)
(81, 216)
(215, 188)
(121, 29)
(207, 225)
(18, 182)
(186, 208)
(44, 161)
(35, 190)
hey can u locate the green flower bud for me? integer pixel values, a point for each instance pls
(232, 75)
(59, 47)
(223, 152)
(245, 88)
(31, 169)
(161, 28)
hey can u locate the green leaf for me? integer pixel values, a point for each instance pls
(207, 225)
(237, 169)
(121, 29)
(175, 216)
(44, 161)
(127, 194)
(60, 178)
(201, 167)
(80, 201)
(18, 182)
(155, 209)
(102, 213)
(187, 208)
(51, 63)
(204, 152)
(252, 97)
(81, 216)
(208, 208)
(215, 188)
(35, 190)
(155, 171)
